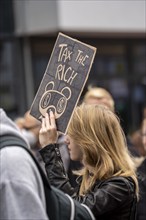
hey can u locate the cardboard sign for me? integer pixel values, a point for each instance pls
(64, 80)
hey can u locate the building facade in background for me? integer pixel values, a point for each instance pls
(28, 31)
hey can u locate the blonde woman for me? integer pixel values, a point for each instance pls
(107, 184)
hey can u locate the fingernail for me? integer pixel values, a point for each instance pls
(50, 111)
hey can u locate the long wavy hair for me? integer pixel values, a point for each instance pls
(97, 131)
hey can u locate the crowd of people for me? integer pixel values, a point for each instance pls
(95, 164)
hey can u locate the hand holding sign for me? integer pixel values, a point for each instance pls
(48, 131)
(64, 80)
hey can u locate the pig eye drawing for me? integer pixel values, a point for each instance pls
(61, 105)
(54, 100)
(45, 100)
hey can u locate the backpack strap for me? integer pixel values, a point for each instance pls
(10, 140)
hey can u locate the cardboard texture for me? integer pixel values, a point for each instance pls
(64, 79)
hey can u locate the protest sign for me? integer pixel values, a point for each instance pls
(64, 80)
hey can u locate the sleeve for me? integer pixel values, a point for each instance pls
(55, 168)
(20, 201)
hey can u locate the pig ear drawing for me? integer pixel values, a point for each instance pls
(49, 86)
(66, 91)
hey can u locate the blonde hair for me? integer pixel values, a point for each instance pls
(97, 92)
(97, 131)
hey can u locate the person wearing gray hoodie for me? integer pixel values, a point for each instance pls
(21, 189)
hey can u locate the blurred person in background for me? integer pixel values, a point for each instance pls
(137, 140)
(141, 172)
(107, 184)
(98, 95)
(143, 133)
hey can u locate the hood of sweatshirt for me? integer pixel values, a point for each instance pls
(7, 126)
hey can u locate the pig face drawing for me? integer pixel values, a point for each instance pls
(54, 100)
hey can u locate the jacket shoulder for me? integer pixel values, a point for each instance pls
(126, 183)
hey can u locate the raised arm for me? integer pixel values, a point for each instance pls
(51, 155)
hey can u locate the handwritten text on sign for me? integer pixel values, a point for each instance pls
(68, 74)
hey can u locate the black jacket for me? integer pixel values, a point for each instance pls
(112, 199)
